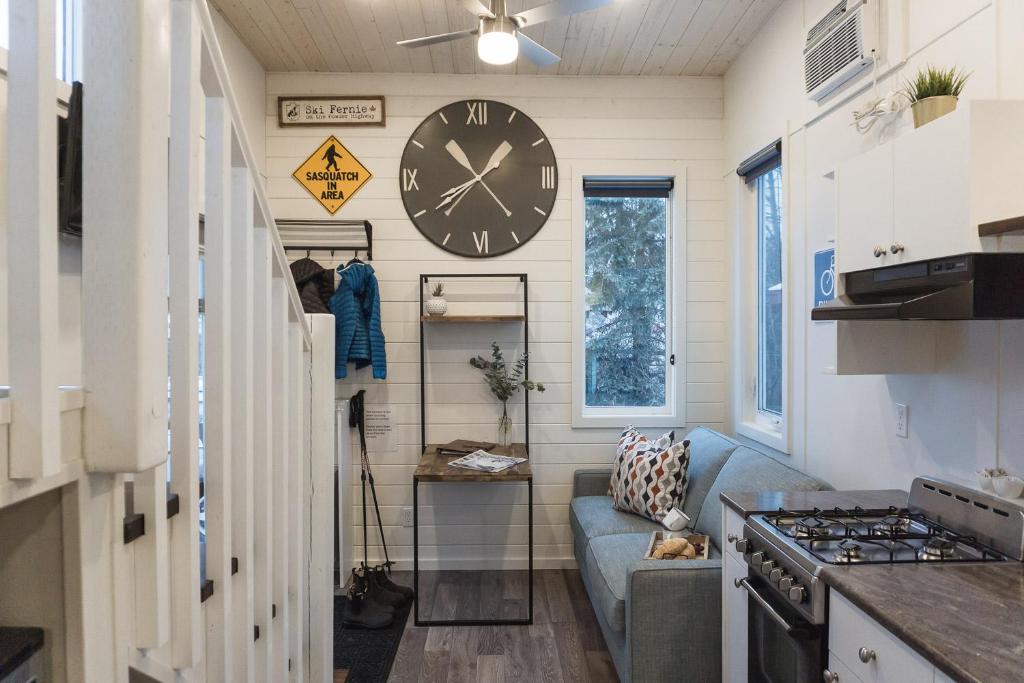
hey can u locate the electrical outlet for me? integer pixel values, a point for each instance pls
(406, 516)
(902, 417)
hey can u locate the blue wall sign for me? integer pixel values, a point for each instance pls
(824, 276)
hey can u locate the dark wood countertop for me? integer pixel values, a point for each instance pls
(753, 502)
(967, 619)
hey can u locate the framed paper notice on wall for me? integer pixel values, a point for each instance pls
(330, 110)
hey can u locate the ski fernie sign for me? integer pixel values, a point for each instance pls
(332, 175)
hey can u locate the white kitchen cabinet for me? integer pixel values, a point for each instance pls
(942, 678)
(923, 195)
(734, 621)
(868, 650)
(864, 207)
(838, 672)
(732, 529)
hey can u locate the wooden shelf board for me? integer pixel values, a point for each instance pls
(472, 318)
(1008, 226)
(434, 467)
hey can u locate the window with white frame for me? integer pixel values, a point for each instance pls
(762, 290)
(625, 365)
(67, 25)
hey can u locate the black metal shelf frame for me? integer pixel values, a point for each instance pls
(425, 279)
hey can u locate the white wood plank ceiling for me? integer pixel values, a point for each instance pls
(628, 38)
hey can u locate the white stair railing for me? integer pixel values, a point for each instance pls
(156, 85)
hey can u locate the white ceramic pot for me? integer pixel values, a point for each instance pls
(437, 305)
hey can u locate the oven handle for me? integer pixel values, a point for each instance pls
(766, 606)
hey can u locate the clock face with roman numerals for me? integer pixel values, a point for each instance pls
(478, 178)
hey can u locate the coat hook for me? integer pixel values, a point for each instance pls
(307, 253)
(332, 254)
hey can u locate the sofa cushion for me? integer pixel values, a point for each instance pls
(708, 452)
(749, 470)
(609, 560)
(593, 516)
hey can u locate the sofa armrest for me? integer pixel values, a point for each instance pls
(674, 620)
(591, 482)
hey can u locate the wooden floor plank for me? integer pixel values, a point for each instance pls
(564, 645)
(571, 654)
(600, 667)
(409, 658)
(490, 669)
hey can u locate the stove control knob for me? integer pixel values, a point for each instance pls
(757, 558)
(742, 545)
(785, 583)
(767, 566)
(776, 575)
(797, 594)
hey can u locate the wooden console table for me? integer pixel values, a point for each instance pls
(434, 468)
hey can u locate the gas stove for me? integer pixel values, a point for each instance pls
(942, 522)
(889, 536)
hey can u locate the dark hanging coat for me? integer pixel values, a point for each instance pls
(315, 284)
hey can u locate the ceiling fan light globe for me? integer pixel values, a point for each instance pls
(498, 47)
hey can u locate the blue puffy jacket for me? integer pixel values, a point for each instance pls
(356, 308)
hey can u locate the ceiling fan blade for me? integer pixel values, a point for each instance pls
(439, 38)
(535, 52)
(556, 10)
(477, 8)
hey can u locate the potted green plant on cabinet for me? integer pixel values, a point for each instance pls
(934, 92)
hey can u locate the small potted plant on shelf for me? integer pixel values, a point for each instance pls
(437, 304)
(934, 92)
(504, 384)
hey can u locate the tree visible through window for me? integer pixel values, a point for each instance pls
(769, 291)
(626, 273)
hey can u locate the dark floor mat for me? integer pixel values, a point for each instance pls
(367, 655)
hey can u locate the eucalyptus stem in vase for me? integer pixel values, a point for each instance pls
(504, 382)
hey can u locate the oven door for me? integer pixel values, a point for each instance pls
(782, 646)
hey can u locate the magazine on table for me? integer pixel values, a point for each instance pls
(482, 461)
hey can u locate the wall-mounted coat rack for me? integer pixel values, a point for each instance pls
(311, 235)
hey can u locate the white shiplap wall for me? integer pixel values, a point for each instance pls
(633, 119)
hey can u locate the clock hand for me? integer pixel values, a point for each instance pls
(455, 194)
(497, 157)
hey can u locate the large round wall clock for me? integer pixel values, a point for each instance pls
(478, 178)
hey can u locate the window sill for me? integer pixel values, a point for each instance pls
(773, 438)
(621, 421)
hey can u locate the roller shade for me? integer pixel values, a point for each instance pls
(762, 161)
(628, 187)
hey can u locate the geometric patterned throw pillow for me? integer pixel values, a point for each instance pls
(650, 478)
(631, 441)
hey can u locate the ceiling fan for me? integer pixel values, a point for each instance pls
(500, 38)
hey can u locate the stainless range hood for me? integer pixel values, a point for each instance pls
(964, 287)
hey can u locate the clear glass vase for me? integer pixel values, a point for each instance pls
(504, 434)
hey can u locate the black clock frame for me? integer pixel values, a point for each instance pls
(411, 211)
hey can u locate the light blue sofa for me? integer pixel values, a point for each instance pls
(662, 619)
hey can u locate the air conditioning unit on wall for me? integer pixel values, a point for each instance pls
(842, 45)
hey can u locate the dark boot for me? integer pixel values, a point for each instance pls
(384, 580)
(358, 612)
(380, 593)
(364, 587)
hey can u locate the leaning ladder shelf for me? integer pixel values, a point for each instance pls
(435, 468)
